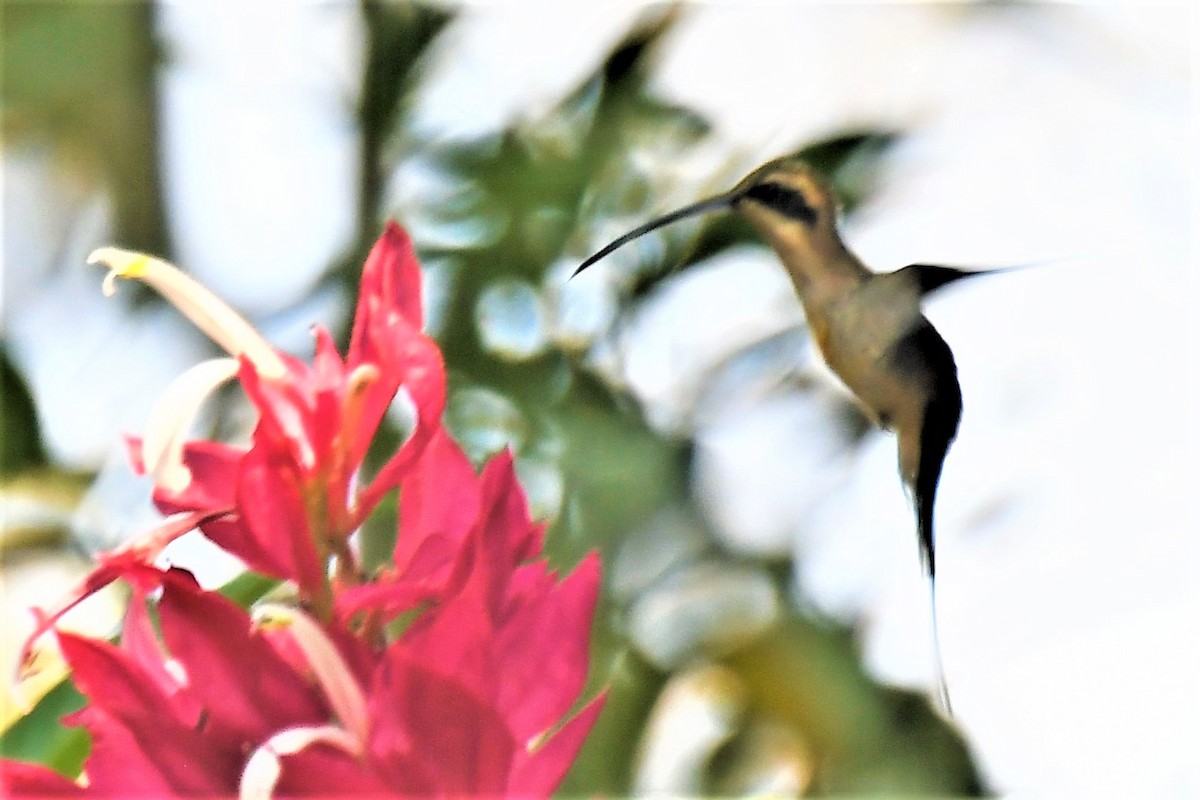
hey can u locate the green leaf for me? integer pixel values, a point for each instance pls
(248, 588)
(40, 738)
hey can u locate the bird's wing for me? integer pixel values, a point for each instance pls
(931, 277)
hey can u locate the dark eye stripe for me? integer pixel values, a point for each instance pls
(787, 201)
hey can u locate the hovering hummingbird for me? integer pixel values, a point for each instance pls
(868, 326)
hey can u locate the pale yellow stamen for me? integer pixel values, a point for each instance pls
(361, 379)
(208, 312)
(358, 384)
(172, 416)
(333, 674)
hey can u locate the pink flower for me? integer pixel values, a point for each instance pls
(462, 704)
(289, 501)
(316, 698)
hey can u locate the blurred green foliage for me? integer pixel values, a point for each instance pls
(39, 737)
(20, 446)
(397, 35)
(80, 77)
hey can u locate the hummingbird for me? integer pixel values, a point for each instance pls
(868, 326)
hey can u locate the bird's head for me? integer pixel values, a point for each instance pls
(785, 199)
(788, 201)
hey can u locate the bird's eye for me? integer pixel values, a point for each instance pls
(783, 200)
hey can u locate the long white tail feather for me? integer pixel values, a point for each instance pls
(943, 687)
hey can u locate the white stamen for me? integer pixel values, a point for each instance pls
(262, 770)
(333, 674)
(208, 312)
(172, 416)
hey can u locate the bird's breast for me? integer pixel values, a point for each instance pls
(856, 335)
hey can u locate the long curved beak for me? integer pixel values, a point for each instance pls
(720, 202)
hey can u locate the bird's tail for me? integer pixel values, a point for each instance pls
(938, 428)
(943, 686)
(937, 432)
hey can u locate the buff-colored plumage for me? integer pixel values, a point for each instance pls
(868, 326)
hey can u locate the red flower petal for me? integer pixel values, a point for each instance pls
(431, 723)
(324, 771)
(506, 510)
(390, 284)
(152, 760)
(33, 780)
(134, 561)
(214, 469)
(385, 597)
(543, 660)
(136, 734)
(456, 639)
(275, 518)
(387, 334)
(541, 773)
(247, 689)
(440, 503)
(139, 640)
(419, 368)
(215, 473)
(286, 409)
